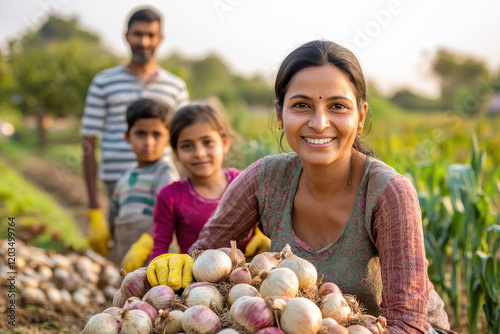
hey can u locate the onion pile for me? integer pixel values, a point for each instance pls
(46, 278)
(274, 294)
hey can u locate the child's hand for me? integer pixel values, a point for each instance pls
(258, 244)
(99, 237)
(174, 270)
(138, 253)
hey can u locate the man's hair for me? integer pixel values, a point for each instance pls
(145, 15)
(148, 108)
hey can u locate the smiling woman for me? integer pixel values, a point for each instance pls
(354, 217)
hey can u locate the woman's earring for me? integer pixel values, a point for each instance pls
(360, 129)
(280, 125)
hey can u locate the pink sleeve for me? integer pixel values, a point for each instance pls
(400, 243)
(236, 215)
(164, 223)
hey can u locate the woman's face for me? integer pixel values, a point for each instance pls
(320, 114)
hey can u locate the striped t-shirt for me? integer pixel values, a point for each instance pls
(108, 97)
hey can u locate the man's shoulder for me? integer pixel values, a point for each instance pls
(171, 78)
(110, 72)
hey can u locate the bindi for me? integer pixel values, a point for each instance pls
(320, 97)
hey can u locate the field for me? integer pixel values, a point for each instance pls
(452, 161)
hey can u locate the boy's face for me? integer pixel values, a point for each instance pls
(148, 137)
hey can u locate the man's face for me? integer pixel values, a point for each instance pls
(143, 37)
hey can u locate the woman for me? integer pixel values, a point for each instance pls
(355, 218)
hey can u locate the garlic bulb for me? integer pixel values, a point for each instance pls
(211, 266)
(335, 306)
(264, 262)
(206, 295)
(240, 290)
(102, 323)
(305, 270)
(300, 316)
(280, 282)
(169, 322)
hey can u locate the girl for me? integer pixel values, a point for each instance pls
(200, 137)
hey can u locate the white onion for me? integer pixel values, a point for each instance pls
(228, 331)
(134, 321)
(270, 330)
(300, 316)
(200, 319)
(206, 295)
(102, 323)
(305, 270)
(264, 262)
(280, 282)
(240, 290)
(211, 266)
(358, 329)
(113, 310)
(335, 306)
(169, 322)
(332, 327)
(252, 313)
(327, 288)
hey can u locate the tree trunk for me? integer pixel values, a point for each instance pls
(43, 139)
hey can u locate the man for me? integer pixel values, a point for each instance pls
(109, 95)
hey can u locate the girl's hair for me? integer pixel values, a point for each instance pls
(318, 53)
(197, 113)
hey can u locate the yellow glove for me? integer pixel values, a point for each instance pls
(258, 244)
(99, 232)
(174, 270)
(138, 253)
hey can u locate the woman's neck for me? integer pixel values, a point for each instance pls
(329, 181)
(211, 187)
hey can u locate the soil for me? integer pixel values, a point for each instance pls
(69, 190)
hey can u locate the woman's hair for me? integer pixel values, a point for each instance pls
(318, 53)
(197, 113)
(148, 108)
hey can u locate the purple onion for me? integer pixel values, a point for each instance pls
(134, 284)
(160, 297)
(143, 306)
(252, 313)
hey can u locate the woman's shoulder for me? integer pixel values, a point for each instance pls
(281, 163)
(382, 177)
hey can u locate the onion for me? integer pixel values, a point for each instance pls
(169, 322)
(113, 310)
(211, 266)
(332, 327)
(160, 297)
(335, 306)
(305, 270)
(237, 257)
(134, 321)
(241, 275)
(358, 329)
(134, 284)
(240, 290)
(375, 325)
(204, 294)
(280, 282)
(327, 288)
(228, 331)
(270, 330)
(252, 313)
(200, 319)
(143, 306)
(102, 323)
(264, 262)
(300, 316)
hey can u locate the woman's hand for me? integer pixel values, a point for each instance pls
(174, 270)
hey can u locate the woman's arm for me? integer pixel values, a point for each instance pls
(236, 214)
(399, 239)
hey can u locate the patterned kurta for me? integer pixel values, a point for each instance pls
(379, 256)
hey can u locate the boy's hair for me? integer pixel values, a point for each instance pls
(148, 108)
(194, 113)
(144, 15)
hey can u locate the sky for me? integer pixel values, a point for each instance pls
(394, 40)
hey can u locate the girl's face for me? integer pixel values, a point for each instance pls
(320, 114)
(201, 149)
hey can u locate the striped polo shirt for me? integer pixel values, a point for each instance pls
(108, 97)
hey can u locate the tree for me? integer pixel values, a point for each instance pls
(53, 68)
(457, 73)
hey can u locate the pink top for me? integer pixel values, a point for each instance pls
(180, 208)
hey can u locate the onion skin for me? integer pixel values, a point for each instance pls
(113, 310)
(327, 288)
(240, 275)
(134, 321)
(280, 282)
(306, 272)
(169, 322)
(134, 284)
(211, 266)
(200, 319)
(264, 262)
(143, 306)
(335, 306)
(206, 295)
(101, 323)
(270, 330)
(240, 290)
(332, 327)
(301, 316)
(160, 297)
(358, 329)
(252, 313)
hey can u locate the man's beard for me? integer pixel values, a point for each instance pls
(141, 57)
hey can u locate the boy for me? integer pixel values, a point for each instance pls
(135, 192)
